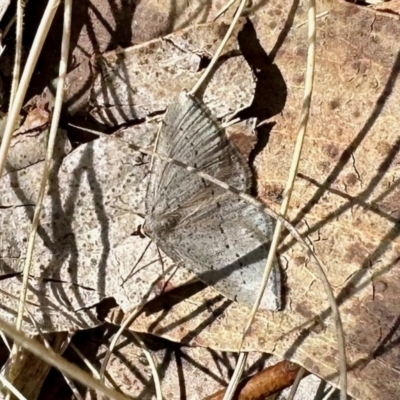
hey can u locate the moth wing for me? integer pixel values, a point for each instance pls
(190, 134)
(228, 249)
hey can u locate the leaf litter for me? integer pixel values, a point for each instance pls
(277, 155)
(342, 243)
(71, 252)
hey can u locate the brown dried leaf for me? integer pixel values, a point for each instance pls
(345, 200)
(37, 118)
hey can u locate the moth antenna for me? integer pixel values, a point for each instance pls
(137, 263)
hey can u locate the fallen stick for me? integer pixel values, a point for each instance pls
(265, 383)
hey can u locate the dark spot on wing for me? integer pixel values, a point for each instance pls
(221, 229)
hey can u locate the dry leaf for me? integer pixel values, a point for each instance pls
(142, 80)
(84, 249)
(345, 200)
(37, 118)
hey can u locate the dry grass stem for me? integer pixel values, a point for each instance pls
(49, 153)
(309, 79)
(305, 112)
(58, 362)
(15, 109)
(296, 383)
(18, 52)
(11, 388)
(220, 48)
(236, 377)
(330, 393)
(223, 9)
(50, 148)
(134, 314)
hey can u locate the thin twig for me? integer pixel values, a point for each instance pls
(25, 79)
(138, 260)
(220, 48)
